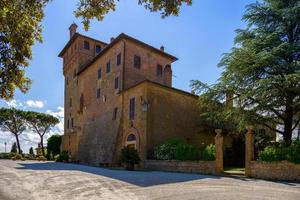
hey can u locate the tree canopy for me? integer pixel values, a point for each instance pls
(53, 145)
(41, 124)
(261, 74)
(20, 27)
(12, 120)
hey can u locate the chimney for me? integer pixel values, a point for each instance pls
(72, 29)
(112, 39)
(162, 48)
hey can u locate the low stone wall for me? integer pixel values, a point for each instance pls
(203, 167)
(280, 170)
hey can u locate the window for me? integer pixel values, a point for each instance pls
(159, 70)
(98, 93)
(67, 80)
(70, 102)
(116, 82)
(131, 141)
(131, 108)
(108, 67)
(115, 114)
(81, 103)
(118, 59)
(86, 45)
(72, 122)
(137, 61)
(131, 138)
(99, 73)
(98, 49)
(68, 124)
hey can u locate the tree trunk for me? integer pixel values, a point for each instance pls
(42, 145)
(288, 125)
(18, 144)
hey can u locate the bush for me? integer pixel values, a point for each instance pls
(178, 149)
(62, 157)
(5, 156)
(129, 156)
(17, 157)
(281, 152)
(41, 158)
(209, 153)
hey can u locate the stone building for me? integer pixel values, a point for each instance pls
(120, 94)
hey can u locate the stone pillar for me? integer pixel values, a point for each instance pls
(249, 150)
(219, 152)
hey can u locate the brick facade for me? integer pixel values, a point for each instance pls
(98, 102)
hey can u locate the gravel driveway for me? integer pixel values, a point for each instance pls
(59, 181)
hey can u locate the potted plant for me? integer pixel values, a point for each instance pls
(130, 157)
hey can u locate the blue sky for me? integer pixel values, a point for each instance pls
(198, 37)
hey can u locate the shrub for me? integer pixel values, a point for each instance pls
(281, 152)
(5, 155)
(130, 156)
(41, 158)
(62, 157)
(209, 153)
(17, 157)
(178, 149)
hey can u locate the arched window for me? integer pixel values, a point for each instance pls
(131, 138)
(131, 141)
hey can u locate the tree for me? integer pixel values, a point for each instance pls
(20, 27)
(53, 145)
(262, 72)
(14, 148)
(31, 152)
(41, 124)
(12, 120)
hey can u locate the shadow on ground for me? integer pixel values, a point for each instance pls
(139, 178)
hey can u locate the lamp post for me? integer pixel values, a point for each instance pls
(5, 146)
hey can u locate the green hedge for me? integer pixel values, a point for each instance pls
(179, 149)
(281, 152)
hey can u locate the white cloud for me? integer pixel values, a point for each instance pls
(13, 103)
(35, 104)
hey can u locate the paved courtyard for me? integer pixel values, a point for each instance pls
(59, 181)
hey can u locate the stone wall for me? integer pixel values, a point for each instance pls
(281, 170)
(203, 167)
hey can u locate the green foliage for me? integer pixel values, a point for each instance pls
(31, 152)
(129, 156)
(17, 156)
(14, 148)
(41, 124)
(5, 155)
(89, 9)
(209, 153)
(41, 158)
(261, 73)
(62, 157)
(281, 152)
(12, 120)
(20, 27)
(178, 149)
(53, 146)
